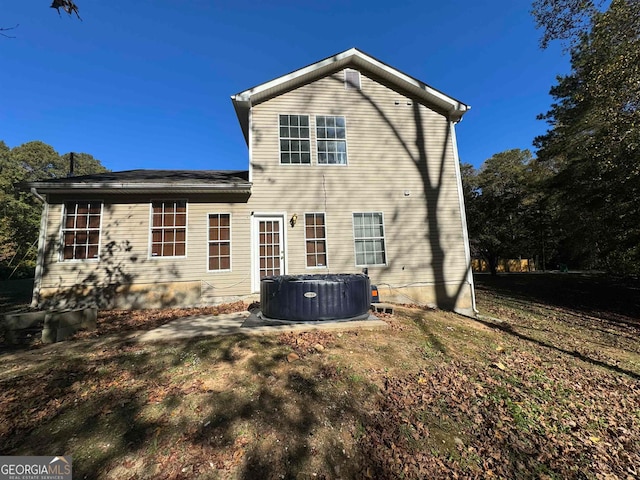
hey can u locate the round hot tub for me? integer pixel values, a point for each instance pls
(315, 297)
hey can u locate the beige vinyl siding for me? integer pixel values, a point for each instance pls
(382, 129)
(125, 253)
(400, 162)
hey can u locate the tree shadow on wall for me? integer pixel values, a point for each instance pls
(435, 247)
(107, 282)
(434, 181)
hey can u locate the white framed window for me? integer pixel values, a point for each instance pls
(315, 236)
(81, 230)
(331, 137)
(219, 242)
(169, 228)
(368, 235)
(295, 145)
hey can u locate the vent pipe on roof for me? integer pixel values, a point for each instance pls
(71, 165)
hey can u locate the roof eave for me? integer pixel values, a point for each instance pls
(242, 108)
(243, 101)
(111, 187)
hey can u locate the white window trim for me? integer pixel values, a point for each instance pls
(346, 141)
(311, 129)
(384, 237)
(326, 241)
(150, 256)
(230, 242)
(63, 214)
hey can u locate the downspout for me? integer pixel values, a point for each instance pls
(463, 214)
(44, 218)
(250, 137)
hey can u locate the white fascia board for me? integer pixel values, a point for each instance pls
(429, 91)
(430, 94)
(247, 94)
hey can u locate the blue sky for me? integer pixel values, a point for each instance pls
(147, 83)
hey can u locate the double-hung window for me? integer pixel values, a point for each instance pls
(81, 230)
(316, 240)
(295, 146)
(368, 234)
(219, 241)
(331, 133)
(169, 228)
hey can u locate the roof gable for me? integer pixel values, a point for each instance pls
(352, 58)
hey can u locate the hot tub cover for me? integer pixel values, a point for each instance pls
(315, 297)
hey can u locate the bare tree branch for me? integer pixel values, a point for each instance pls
(4, 29)
(67, 5)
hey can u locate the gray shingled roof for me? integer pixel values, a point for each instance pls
(145, 180)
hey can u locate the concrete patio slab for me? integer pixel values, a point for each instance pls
(244, 323)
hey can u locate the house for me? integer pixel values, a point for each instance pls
(353, 165)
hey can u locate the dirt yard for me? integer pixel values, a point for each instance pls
(545, 385)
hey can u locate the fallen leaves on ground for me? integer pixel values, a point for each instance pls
(554, 395)
(121, 321)
(548, 418)
(307, 343)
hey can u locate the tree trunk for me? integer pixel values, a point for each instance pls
(492, 261)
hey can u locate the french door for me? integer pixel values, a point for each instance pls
(269, 248)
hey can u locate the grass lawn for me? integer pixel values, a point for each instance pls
(545, 385)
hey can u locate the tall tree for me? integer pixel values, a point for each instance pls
(505, 213)
(594, 141)
(7, 177)
(564, 20)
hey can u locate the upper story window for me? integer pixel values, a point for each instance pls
(316, 240)
(331, 132)
(368, 234)
(169, 228)
(219, 241)
(81, 230)
(295, 146)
